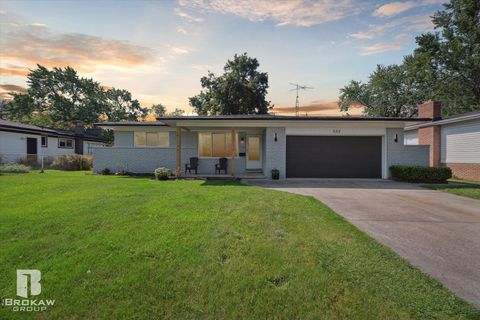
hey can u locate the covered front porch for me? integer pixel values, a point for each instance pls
(250, 149)
(218, 152)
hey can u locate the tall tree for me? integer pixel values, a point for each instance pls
(450, 59)
(175, 113)
(158, 110)
(445, 66)
(60, 97)
(121, 106)
(241, 89)
(389, 92)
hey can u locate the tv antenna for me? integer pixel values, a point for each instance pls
(297, 102)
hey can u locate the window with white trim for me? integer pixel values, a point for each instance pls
(65, 143)
(151, 139)
(44, 140)
(214, 144)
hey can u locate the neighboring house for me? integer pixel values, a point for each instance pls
(299, 147)
(454, 141)
(19, 141)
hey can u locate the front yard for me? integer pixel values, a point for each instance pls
(466, 189)
(123, 247)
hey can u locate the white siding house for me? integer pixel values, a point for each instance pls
(19, 141)
(459, 142)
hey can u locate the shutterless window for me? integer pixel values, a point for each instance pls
(65, 143)
(214, 144)
(151, 139)
(44, 141)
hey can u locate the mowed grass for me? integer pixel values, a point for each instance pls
(112, 247)
(465, 189)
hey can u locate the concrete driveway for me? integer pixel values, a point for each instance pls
(436, 231)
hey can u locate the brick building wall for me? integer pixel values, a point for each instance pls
(467, 171)
(431, 135)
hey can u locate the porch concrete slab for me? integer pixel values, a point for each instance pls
(436, 231)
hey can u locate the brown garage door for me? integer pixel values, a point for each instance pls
(334, 157)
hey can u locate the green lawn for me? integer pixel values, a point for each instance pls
(121, 247)
(466, 189)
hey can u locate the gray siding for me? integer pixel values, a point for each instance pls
(400, 154)
(275, 151)
(145, 160)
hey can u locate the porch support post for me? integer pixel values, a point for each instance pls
(234, 151)
(178, 169)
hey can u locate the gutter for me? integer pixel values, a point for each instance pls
(443, 121)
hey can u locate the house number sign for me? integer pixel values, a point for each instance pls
(336, 130)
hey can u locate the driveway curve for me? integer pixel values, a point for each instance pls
(436, 231)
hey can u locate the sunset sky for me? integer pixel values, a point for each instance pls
(158, 50)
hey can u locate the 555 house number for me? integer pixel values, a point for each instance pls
(336, 130)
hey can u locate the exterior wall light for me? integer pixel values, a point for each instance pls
(275, 136)
(242, 140)
(395, 138)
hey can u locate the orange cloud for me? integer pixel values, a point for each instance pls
(13, 71)
(284, 12)
(394, 8)
(320, 108)
(7, 89)
(26, 45)
(13, 88)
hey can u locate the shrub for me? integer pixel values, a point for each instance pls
(162, 173)
(106, 172)
(421, 174)
(29, 161)
(14, 168)
(121, 173)
(72, 162)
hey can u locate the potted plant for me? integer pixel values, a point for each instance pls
(162, 173)
(275, 174)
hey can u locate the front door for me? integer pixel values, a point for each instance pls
(254, 152)
(32, 149)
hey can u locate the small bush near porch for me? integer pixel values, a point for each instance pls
(127, 247)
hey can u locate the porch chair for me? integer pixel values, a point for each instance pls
(221, 165)
(193, 165)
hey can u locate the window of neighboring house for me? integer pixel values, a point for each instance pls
(151, 139)
(44, 141)
(65, 143)
(214, 144)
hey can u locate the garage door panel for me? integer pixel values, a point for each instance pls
(334, 157)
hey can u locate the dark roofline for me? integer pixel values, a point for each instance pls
(461, 115)
(289, 118)
(18, 127)
(130, 123)
(467, 116)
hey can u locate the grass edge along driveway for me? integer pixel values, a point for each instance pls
(460, 188)
(122, 247)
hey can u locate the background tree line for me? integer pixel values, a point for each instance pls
(445, 66)
(60, 98)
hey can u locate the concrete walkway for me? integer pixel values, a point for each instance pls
(436, 231)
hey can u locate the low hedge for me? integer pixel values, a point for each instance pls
(421, 174)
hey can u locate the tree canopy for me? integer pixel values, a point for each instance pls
(241, 89)
(159, 110)
(60, 98)
(445, 66)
